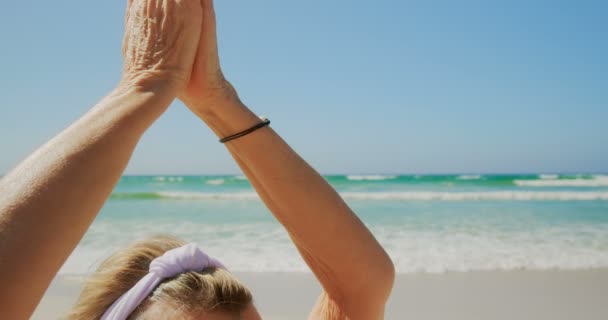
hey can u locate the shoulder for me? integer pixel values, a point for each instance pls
(327, 308)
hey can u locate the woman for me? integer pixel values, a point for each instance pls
(48, 202)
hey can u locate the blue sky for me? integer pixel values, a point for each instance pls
(354, 86)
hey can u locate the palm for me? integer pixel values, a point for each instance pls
(207, 82)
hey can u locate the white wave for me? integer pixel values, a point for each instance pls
(477, 196)
(370, 177)
(469, 177)
(547, 248)
(215, 182)
(240, 177)
(416, 196)
(266, 247)
(159, 179)
(210, 195)
(548, 176)
(595, 181)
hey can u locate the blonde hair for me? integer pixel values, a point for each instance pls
(207, 291)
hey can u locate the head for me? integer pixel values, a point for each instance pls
(209, 294)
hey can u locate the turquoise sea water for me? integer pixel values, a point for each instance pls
(429, 223)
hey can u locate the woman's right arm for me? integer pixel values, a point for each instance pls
(49, 200)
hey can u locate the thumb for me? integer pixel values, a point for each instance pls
(208, 56)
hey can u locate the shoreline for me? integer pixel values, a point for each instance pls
(521, 294)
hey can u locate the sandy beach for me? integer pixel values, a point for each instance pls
(496, 295)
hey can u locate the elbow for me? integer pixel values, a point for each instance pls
(379, 281)
(371, 297)
(386, 278)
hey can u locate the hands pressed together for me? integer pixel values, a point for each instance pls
(170, 47)
(170, 50)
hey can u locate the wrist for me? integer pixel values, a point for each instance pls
(204, 100)
(156, 82)
(228, 118)
(215, 106)
(156, 93)
(130, 107)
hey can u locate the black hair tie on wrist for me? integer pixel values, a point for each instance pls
(265, 122)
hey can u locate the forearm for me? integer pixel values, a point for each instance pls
(48, 201)
(326, 307)
(334, 242)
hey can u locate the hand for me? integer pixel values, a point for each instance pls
(207, 87)
(160, 43)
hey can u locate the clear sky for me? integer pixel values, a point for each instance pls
(354, 86)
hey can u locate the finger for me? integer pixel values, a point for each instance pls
(127, 16)
(208, 40)
(209, 14)
(128, 10)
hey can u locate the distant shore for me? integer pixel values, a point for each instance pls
(492, 295)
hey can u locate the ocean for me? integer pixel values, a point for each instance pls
(427, 223)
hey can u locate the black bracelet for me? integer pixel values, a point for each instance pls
(265, 122)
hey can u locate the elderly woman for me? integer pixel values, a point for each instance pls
(48, 201)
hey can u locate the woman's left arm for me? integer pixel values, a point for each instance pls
(356, 273)
(48, 202)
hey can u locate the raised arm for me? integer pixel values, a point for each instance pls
(50, 199)
(353, 268)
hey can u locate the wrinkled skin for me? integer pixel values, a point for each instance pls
(161, 42)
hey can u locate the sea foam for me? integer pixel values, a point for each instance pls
(595, 181)
(548, 176)
(215, 182)
(469, 177)
(397, 195)
(370, 177)
(265, 247)
(477, 196)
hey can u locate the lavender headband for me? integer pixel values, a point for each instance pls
(180, 260)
